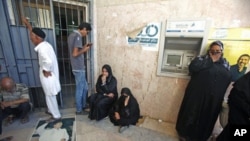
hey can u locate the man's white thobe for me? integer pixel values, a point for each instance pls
(51, 85)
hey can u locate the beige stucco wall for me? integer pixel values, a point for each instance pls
(158, 96)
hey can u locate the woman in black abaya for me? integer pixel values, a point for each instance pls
(204, 94)
(239, 107)
(105, 96)
(126, 111)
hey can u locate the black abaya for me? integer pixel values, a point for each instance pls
(129, 114)
(100, 104)
(203, 98)
(239, 106)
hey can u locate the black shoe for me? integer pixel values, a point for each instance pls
(48, 113)
(78, 113)
(122, 128)
(82, 113)
(51, 119)
(91, 117)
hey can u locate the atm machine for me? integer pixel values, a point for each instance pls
(181, 41)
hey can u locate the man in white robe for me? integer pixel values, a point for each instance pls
(48, 69)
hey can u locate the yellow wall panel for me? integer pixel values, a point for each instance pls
(236, 42)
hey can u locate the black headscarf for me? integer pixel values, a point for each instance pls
(219, 43)
(221, 60)
(126, 91)
(108, 68)
(123, 97)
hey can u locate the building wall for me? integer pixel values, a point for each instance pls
(158, 96)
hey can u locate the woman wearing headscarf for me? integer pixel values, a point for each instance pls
(204, 94)
(126, 111)
(105, 96)
(237, 70)
(239, 108)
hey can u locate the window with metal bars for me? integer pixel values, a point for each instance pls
(37, 11)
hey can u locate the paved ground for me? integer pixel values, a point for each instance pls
(87, 130)
(104, 130)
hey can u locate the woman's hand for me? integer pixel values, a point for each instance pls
(126, 101)
(117, 116)
(104, 79)
(215, 56)
(111, 95)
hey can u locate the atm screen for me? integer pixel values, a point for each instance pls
(174, 60)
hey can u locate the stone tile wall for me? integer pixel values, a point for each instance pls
(158, 96)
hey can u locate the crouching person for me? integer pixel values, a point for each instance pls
(14, 100)
(126, 111)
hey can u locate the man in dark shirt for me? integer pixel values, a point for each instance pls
(77, 50)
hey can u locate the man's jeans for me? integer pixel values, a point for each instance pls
(81, 89)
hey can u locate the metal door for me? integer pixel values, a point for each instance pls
(7, 59)
(17, 56)
(67, 17)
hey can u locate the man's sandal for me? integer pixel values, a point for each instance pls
(24, 120)
(9, 120)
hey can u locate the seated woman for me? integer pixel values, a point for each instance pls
(126, 111)
(105, 96)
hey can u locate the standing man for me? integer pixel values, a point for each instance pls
(77, 50)
(48, 69)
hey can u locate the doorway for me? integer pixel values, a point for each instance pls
(67, 17)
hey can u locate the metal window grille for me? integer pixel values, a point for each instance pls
(58, 18)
